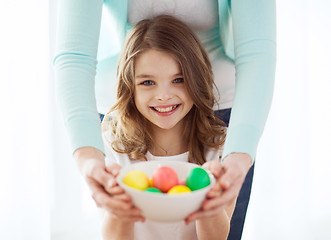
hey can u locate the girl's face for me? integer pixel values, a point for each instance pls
(160, 93)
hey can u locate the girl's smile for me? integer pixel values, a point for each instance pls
(165, 110)
(160, 92)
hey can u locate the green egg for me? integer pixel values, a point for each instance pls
(153, 190)
(197, 178)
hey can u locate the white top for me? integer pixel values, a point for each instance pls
(199, 15)
(150, 230)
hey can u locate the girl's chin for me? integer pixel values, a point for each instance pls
(167, 126)
(163, 127)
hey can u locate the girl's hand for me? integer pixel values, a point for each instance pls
(101, 181)
(230, 176)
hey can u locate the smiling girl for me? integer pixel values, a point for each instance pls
(164, 110)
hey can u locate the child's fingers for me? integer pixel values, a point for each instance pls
(128, 214)
(134, 219)
(206, 165)
(131, 218)
(133, 212)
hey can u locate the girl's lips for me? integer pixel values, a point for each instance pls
(165, 110)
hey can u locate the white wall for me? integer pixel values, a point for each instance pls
(24, 126)
(42, 195)
(290, 197)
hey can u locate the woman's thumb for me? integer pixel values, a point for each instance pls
(114, 169)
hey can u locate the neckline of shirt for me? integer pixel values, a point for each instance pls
(180, 157)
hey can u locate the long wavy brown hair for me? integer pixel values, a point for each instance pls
(131, 131)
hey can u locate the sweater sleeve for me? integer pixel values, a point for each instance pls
(74, 62)
(254, 39)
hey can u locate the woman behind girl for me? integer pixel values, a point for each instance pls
(164, 110)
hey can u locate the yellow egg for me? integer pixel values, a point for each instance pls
(136, 179)
(179, 189)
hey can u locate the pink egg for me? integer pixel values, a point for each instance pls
(164, 178)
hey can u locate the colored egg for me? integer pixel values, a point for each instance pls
(197, 178)
(179, 189)
(136, 179)
(150, 182)
(164, 178)
(153, 190)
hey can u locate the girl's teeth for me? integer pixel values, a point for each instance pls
(168, 109)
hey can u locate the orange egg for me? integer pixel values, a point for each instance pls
(150, 181)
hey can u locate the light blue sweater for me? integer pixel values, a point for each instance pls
(248, 37)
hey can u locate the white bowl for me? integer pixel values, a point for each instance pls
(164, 207)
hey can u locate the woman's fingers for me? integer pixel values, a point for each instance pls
(101, 180)
(116, 191)
(119, 205)
(212, 212)
(200, 214)
(229, 178)
(111, 197)
(114, 169)
(214, 167)
(133, 212)
(221, 198)
(221, 201)
(98, 173)
(105, 201)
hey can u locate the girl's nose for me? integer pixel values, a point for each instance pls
(164, 93)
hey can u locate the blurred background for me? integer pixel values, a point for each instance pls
(42, 195)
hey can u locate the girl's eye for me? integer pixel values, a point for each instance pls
(179, 80)
(147, 82)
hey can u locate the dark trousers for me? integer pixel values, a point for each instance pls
(238, 218)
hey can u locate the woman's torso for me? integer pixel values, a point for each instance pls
(199, 15)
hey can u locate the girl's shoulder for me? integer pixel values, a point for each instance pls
(106, 121)
(109, 138)
(214, 153)
(108, 126)
(106, 129)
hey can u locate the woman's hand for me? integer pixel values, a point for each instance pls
(230, 176)
(104, 189)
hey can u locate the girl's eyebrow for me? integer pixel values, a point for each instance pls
(151, 76)
(144, 76)
(178, 74)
